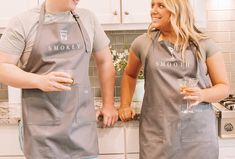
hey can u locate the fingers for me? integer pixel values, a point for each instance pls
(126, 114)
(56, 81)
(109, 116)
(55, 86)
(193, 94)
(61, 77)
(98, 114)
(109, 121)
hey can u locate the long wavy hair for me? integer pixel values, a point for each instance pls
(183, 24)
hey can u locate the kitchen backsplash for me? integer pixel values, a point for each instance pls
(220, 27)
(119, 40)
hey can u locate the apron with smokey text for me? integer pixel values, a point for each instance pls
(60, 125)
(166, 132)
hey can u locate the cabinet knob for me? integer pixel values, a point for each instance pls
(115, 13)
(126, 13)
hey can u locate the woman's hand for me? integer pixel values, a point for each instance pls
(55, 81)
(194, 94)
(126, 113)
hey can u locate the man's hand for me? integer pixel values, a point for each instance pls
(55, 81)
(109, 114)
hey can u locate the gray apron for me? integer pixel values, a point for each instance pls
(166, 132)
(60, 125)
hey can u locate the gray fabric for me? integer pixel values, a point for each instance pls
(143, 42)
(60, 125)
(19, 36)
(166, 132)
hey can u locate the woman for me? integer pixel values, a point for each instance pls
(174, 49)
(52, 46)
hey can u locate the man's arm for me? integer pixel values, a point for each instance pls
(11, 75)
(106, 72)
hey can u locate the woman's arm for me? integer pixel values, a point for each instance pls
(128, 86)
(219, 79)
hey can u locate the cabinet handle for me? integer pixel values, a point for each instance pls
(126, 13)
(115, 13)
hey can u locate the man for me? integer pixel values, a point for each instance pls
(46, 52)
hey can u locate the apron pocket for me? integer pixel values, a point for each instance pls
(198, 127)
(86, 110)
(40, 107)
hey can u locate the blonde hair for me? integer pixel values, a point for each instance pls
(183, 24)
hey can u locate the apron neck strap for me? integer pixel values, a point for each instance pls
(83, 31)
(42, 14)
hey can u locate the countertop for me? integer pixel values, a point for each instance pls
(10, 114)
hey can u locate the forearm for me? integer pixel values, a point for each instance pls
(14, 76)
(215, 93)
(127, 90)
(107, 80)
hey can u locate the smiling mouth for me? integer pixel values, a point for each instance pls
(155, 19)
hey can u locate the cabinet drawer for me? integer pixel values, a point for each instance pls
(132, 156)
(111, 140)
(132, 139)
(9, 145)
(112, 156)
(12, 157)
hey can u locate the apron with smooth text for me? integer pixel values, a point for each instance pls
(60, 125)
(166, 132)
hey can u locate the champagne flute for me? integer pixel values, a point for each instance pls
(186, 83)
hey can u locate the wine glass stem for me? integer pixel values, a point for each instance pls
(187, 104)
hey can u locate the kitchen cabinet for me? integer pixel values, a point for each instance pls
(112, 14)
(111, 143)
(107, 11)
(132, 156)
(130, 15)
(226, 148)
(120, 14)
(112, 157)
(136, 11)
(10, 8)
(111, 140)
(132, 139)
(12, 157)
(9, 145)
(200, 12)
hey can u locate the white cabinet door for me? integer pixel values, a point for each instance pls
(132, 139)
(111, 157)
(10, 8)
(119, 12)
(40, 1)
(227, 153)
(226, 148)
(111, 140)
(9, 141)
(199, 10)
(107, 11)
(132, 156)
(12, 157)
(136, 11)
